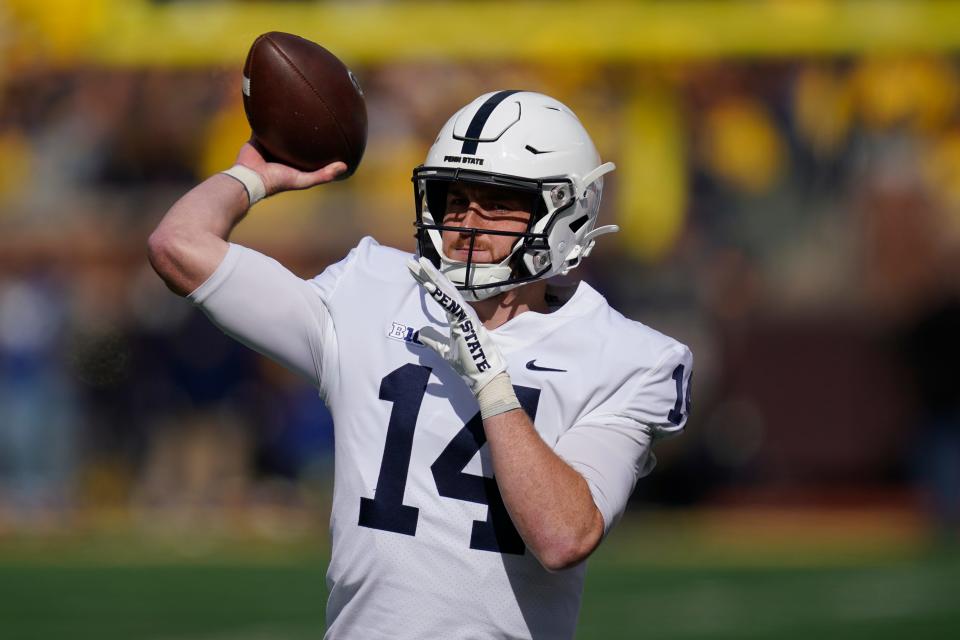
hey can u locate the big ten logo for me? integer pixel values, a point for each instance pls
(404, 333)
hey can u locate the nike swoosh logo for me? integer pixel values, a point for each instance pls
(536, 152)
(533, 367)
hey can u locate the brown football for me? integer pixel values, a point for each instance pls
(305, 107)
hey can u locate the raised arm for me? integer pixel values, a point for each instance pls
(191, 239)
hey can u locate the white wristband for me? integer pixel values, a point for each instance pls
(250, 180)
(497, 396)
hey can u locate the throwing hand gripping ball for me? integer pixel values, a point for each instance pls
(305, 107)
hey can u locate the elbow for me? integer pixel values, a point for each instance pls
(562, 556)
(158, 246)
(165, 252)
(561, 560)
(161, 249)
(567, 551)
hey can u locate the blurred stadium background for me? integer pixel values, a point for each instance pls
(788, 186)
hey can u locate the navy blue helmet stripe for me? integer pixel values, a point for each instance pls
(480, 118)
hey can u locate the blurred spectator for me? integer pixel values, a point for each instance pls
(39, 416)
(931, 346)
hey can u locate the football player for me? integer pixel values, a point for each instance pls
(490, 427)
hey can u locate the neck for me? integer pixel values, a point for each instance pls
(497, 310)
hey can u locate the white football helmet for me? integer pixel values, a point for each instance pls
(525, 141)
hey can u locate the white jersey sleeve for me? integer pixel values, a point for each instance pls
(611, 446)
(256, 300)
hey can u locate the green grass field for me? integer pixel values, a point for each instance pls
(639, 586)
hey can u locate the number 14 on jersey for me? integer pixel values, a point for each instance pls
(405, 388)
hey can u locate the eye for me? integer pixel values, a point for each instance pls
(456, 200)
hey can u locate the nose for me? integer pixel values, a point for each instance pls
(471, 216)
(474, 216)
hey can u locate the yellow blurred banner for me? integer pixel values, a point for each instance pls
(652, 185)
(197, 32)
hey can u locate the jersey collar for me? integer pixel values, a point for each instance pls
(530, 327)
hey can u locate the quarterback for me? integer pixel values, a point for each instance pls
(490, 427)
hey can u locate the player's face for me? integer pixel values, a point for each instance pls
(483, 206)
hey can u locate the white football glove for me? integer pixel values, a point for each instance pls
(469, 349)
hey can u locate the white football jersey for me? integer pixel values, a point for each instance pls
(423, 546)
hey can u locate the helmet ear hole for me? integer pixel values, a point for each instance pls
(579, 222)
